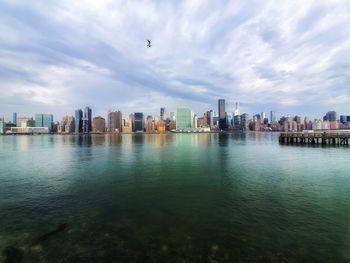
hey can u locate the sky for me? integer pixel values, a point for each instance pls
(292, 57)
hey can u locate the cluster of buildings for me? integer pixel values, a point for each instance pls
(183, 120)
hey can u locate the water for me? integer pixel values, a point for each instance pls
(174, 198)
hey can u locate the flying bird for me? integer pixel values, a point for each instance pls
(149, 43)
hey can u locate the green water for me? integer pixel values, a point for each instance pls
(174, 198)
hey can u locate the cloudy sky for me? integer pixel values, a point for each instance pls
(289, 56)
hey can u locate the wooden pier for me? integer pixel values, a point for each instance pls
(321, 138)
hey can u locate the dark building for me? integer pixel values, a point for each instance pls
(344, 119)
(78, 121)
(162, 114)
(87, 121)
(222, 114)
(139, 122)
(330, 116)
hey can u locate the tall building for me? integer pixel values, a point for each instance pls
(172, 116)
(262, 116)
(272, 116)
(139, 122)
(78, 121)
(98, 124)
(2, 126)
(236, 112)
(44, 120)
(222, 114)
(87, 121)
(184, 118)
(330, 116)
(150, 125)
(162, 114)
(244, 121)
(67, 125)
(14, 118)
(115, 121)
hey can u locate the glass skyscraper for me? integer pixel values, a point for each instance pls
(14, 118)
(87, 121)
(139, 122)
(44, 120)
(184, 118)
(272, 116)
(222, 114)
(78, 121)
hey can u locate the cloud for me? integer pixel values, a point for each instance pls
(60, 55)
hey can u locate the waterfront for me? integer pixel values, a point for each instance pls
(174, 198)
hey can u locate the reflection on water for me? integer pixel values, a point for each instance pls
(237, 197)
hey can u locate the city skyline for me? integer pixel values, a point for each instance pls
(288, 57)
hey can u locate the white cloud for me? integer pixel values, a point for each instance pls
(270, 54)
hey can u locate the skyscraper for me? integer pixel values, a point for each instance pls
(162, 114)
(14, 118)
(272, 116)
(236, 112)
(222, 114)
(330, 116)
(184, 118)
(44, 120)
(87, 121)
(115, 122)
(139, 121)
(78, 121)
(98, 124)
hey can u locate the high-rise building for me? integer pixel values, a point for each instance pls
(330, 116)
(14, 118)
(172, 116)
(162, 114)
(244, 121)
(184, 118)
(236, 111)
(87, 120)
(78, 121)
(115, 121)
(2, 126)
(222, 114)
(139, 121)
(44, 120)
(67, 125)
(98, 124)
(272, 116)
(150, 125)
(262, 116)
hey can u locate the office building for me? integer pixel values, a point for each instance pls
(98, 124)
(87, 120)
(78, 121)
(222, 114)
(236, 111)
(25, 122)
(139, 122)
(330, 116)
(272, 116)
(115, 121)
(2, 126)
(244, 121)
(44, 120)
(67, 125)
(162, 114)
(184, 118)
(14, 118)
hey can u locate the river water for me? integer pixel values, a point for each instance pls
(173, 198)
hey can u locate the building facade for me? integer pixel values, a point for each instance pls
(87, 120)
(222, 114)
(139, 122)
(78, 121)
(98, 125)
(44, 120)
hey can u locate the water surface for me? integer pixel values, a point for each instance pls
(174, 198)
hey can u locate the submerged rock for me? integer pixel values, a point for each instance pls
(12, 254)
(44, 237)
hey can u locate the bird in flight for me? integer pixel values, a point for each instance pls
(149, 43)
